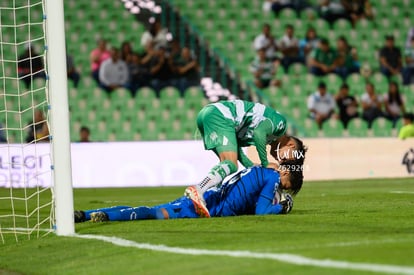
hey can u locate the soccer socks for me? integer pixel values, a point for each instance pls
(133, 213)
(216, 175)
(127, 213)
(108, 209)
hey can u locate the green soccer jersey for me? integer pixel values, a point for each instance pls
(254, 124)
(327, 58)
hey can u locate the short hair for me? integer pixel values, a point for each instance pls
(84, 129)
(322, 84)
(324, 41)
(99, 40)
(409, 116)
(296, 173)
(389, 37)
(296, 180)
(295, 169)
(341, 37)
(344, 86)
(300, 148)
(289, 26)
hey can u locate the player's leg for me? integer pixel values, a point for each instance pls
(181, 208)
(121, 213)
(227, 166)
(82, 216)
(135, 213)
(170, 210)
(218, 135)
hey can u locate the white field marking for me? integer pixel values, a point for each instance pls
(345, 244)
(402, 192)
(290, 247)
(281, 257)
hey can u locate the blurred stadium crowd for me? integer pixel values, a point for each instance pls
(333, 67)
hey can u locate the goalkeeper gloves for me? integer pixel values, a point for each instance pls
(286, 202)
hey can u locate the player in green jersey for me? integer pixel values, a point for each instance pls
(226, 127)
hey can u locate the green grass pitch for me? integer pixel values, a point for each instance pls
(363, 221)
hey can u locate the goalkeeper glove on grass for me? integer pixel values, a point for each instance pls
(286, 202)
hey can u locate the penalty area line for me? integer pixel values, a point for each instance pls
(281, 257)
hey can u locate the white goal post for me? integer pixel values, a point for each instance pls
(58, 92)
(36, 196)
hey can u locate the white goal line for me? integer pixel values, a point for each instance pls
(281, 257)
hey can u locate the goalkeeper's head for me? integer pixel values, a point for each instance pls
(291, 175)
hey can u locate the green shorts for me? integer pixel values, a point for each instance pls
(217, 131)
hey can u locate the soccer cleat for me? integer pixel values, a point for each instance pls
(99, 217)
(198, 201)
(79, 216)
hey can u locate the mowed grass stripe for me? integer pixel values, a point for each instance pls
(350, 221)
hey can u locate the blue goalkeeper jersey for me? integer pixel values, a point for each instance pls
(249, 192)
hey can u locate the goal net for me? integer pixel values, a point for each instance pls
(27, 149)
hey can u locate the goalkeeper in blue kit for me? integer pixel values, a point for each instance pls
(253, 191)
(226, 127)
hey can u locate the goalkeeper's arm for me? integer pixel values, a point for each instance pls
(267, 202)
(266, 206)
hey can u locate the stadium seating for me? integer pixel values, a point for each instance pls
(232, 26)
(311, 129)
(333, 128)
(358, 128)
(121, 117)
(228, 26)
(382, 127)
